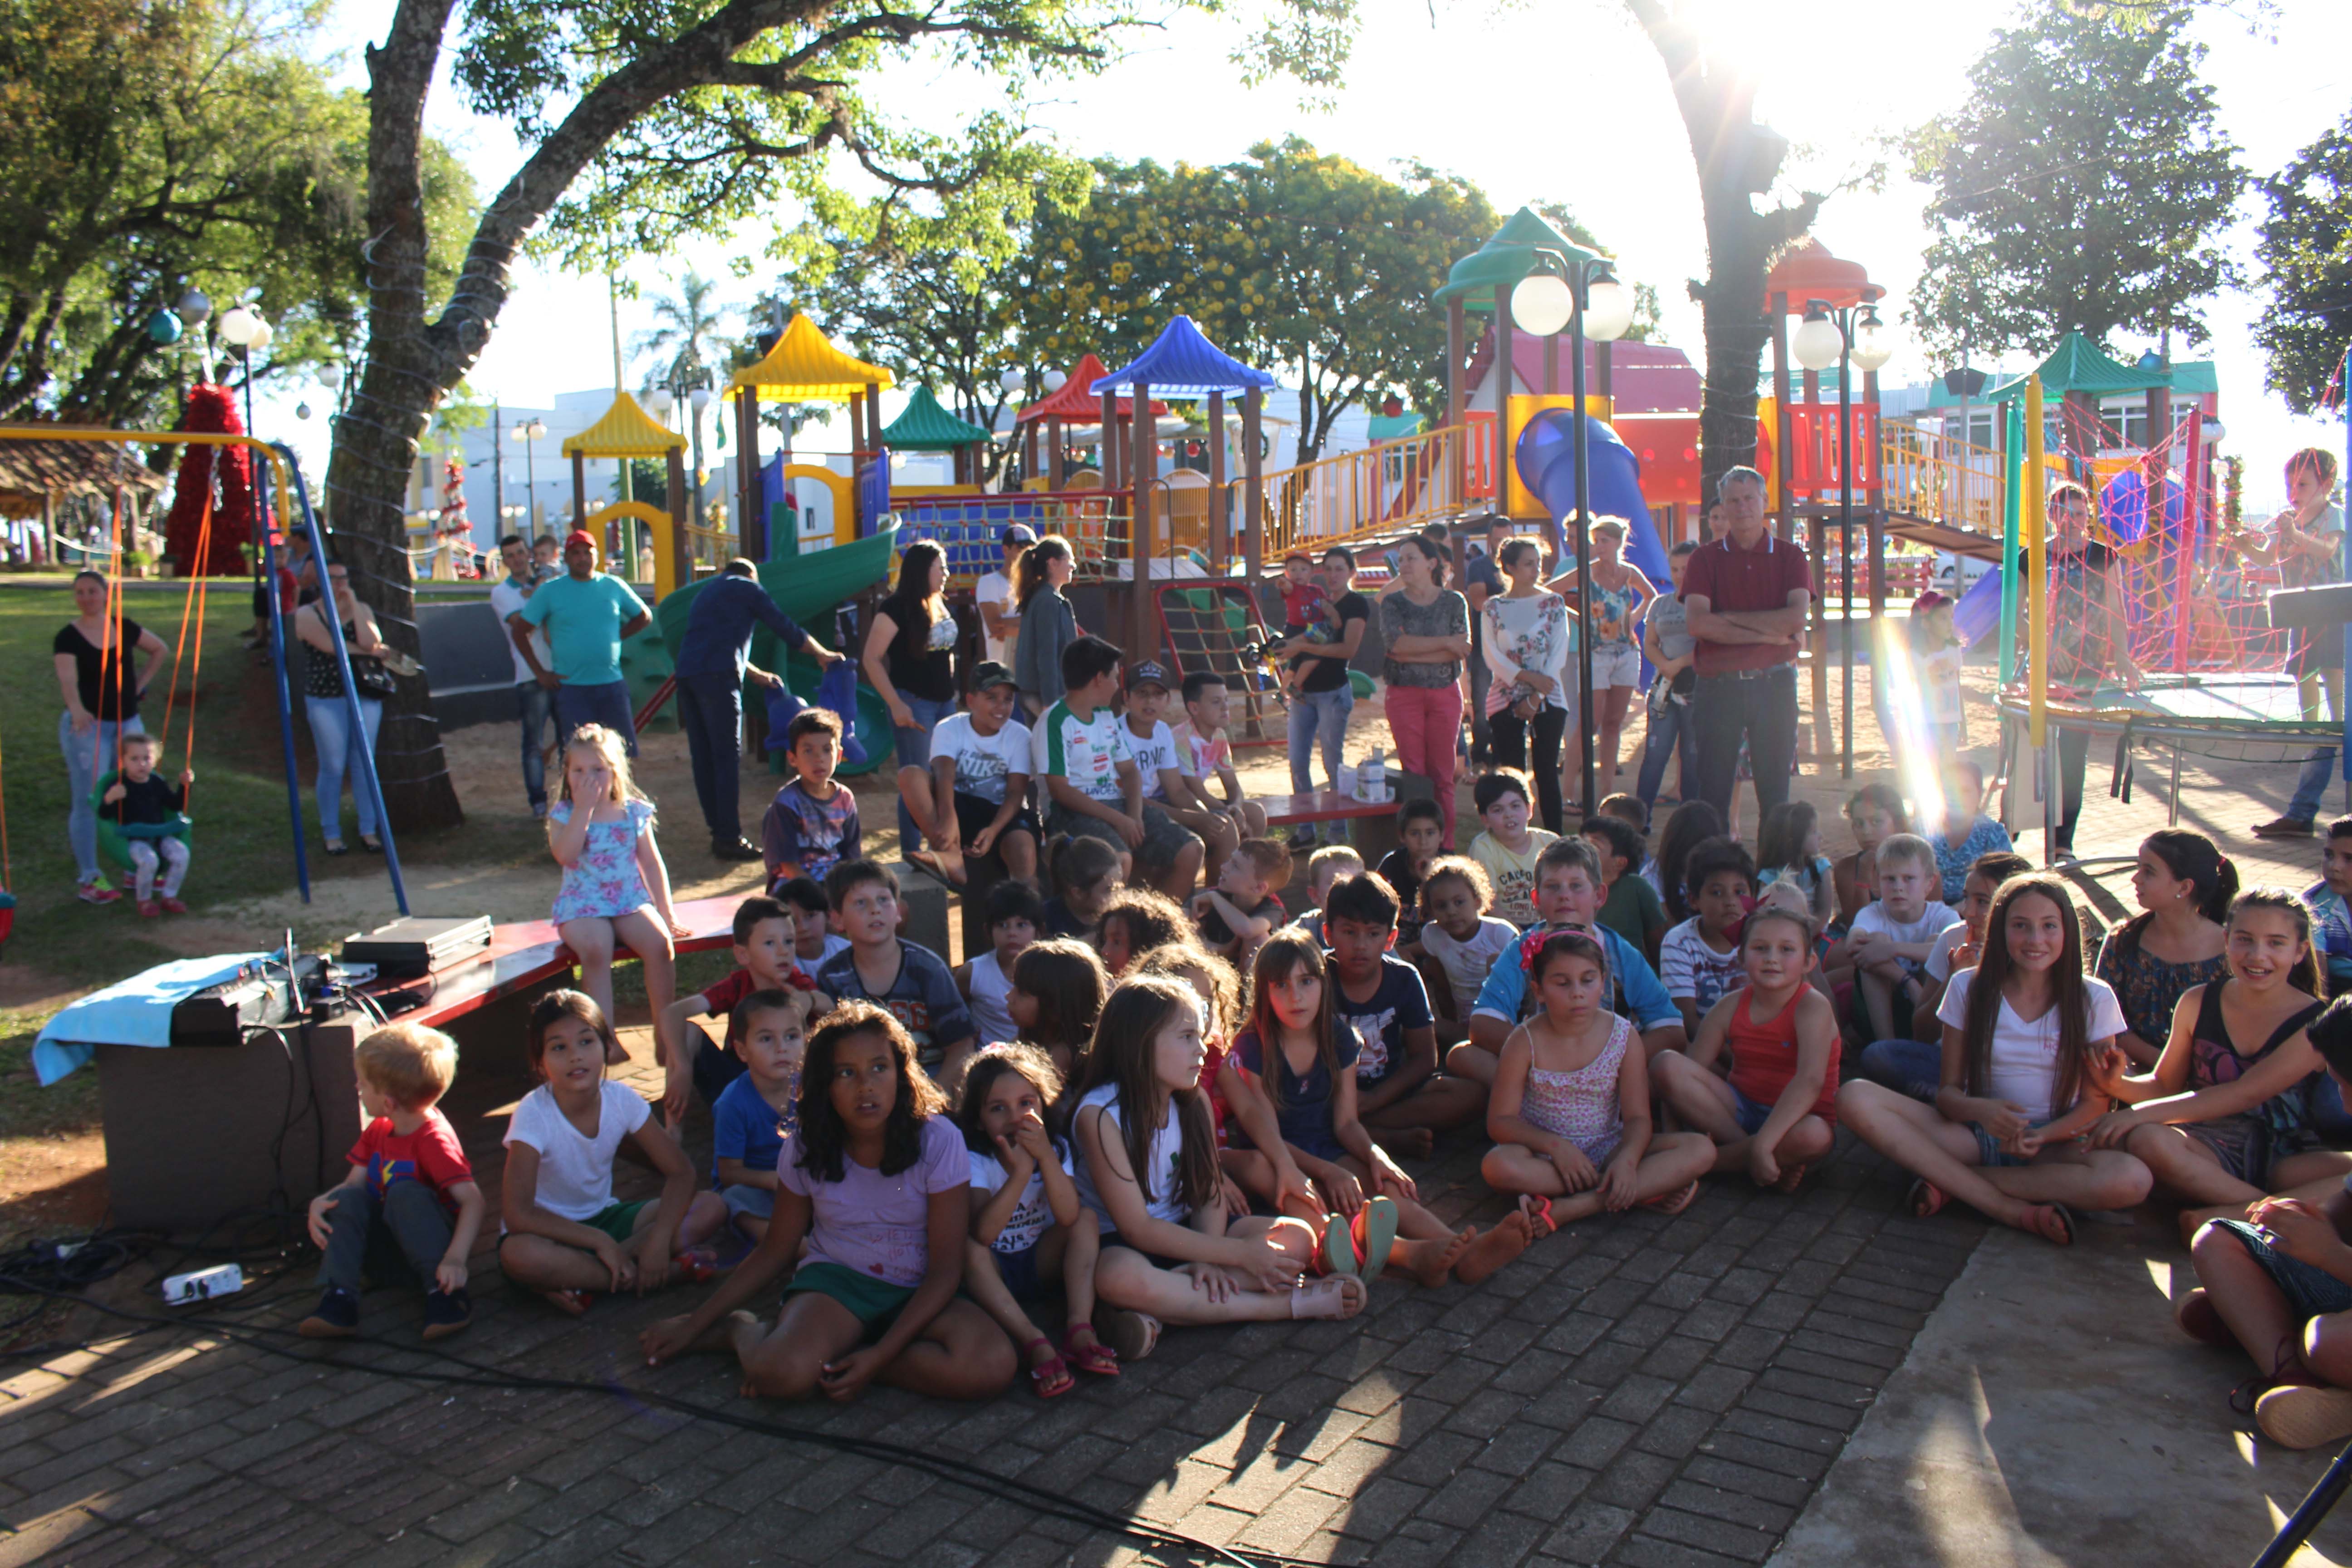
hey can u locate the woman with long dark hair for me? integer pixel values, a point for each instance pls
(102, 688)
(909, 661)
(1047, 624)
(1425, 627)
(2184, 885)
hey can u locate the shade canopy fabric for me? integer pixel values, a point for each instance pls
(624, 430)
(1504, 259)
(925, 426)
(33, 470)
(805, 367)
(1075, 403)
(1184, 363)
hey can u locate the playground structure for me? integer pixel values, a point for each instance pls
(627, 431)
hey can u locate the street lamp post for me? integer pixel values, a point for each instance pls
(1829, 337)
(1583, 295)
(528, 434)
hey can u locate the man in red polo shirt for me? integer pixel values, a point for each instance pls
(1746, 596)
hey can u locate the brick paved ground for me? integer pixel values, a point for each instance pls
(1642, 1391)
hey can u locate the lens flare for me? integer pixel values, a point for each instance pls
(1903, 717)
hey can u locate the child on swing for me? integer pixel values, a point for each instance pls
(615, 891)
(1570, 1110)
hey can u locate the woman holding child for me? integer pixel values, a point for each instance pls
(103, 683)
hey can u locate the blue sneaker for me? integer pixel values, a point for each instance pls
(337, 1316)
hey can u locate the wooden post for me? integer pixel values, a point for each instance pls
(1142, 639)
(1029, 451)
(1221, 504)
(750, 522)
(1053, 448)
(580, 488)
(857, 447)
(874, 415)
(1106, 454)
(1253, 509)
(681, 545)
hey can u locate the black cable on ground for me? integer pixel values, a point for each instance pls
(1035, 1499)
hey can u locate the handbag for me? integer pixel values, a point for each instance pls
(371, 678)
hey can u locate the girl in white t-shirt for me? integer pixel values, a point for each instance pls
(563, 1234)
(1028, 1227)
(2029, 1043)
(1459, 941)
(876, 1180)
(1148, 1169)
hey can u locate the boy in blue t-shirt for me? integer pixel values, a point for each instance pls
(912, 984)
(2331, 916)
(760, 1110)
(812, 825)
(1400, 1098)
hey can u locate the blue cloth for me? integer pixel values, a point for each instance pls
(134, 1011)
(583, 622)
(607, 704)
(922, 995)
(718, 627)
(88, 758)
(1669, 736)
(1305, 1113)
(915, 751)
(2331, 933)
(535, 707)
(814, 834)
(1985, 836)
(744, 1126)
(1318, 719)
(1642, 997)
(2311, 786)
(710, 710)
(1750, 1114)
(330, 737)
(1914, 1068)
(1399, 1003)
(2310, 1292)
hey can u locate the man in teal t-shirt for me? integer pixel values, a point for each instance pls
(586, 614)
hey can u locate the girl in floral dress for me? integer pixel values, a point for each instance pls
(616, 888)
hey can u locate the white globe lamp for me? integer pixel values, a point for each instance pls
(1541, 304)
(1816, 343)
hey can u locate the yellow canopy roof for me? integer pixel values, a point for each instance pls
(627, 430)
(805, 367)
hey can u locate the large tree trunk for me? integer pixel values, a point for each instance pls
(1718, 105)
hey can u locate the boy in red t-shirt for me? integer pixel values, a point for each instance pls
(409, 1184)
(766, 937)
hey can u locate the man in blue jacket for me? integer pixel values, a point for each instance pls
(713, 659)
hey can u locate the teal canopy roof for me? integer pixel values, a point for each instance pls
(1503, 260)
(925, 426)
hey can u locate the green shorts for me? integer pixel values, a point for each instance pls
(874, 1304)
(618, 1221)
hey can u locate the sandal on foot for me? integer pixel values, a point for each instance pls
(570, 1303)
(1674, 1202)
(2053, 1223)
(1373, 1234)
(1090, 1356)
(1327, 1298)
(1925, 1200)
(1539, 1212)
(1338, 1255)
(1131, 1335)
(695, 1266)
(1050, 1375)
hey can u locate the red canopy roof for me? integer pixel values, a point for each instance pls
(1074, 404)
(1810, 272)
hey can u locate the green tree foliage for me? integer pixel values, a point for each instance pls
(2084, 185)
(1293, 260)
(149, 144)
(2305, 250)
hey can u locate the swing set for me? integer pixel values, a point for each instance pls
(114, 838)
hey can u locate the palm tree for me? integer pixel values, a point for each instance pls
(683, 344)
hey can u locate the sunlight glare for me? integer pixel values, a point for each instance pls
(1782, 48)
(2161, 1272)
(1903, 714)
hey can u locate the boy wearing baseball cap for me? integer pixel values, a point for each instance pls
(1169, 855)
(976, 801)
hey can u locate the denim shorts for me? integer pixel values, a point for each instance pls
(2310, 1292)
(1752, 1114)
(1990, 1154)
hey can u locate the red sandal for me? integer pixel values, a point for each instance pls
(1051, 1377)
(1094, 1358)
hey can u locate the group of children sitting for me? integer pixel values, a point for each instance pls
(1181, 1113)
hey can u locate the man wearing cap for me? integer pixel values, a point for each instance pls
(713, 659)
(1172, 851)
(1000, 619)
(1745, 597)
(976, 799)
(587, 614)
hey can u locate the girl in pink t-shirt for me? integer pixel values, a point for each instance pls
(878, 1182)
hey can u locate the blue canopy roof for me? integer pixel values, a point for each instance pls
(1181, 363)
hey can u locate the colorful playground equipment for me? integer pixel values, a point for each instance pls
(622, 432)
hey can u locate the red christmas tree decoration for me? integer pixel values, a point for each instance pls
(225, 474)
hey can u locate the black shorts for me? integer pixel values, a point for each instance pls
(973, 813)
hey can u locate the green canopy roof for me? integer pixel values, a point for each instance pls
(925, 426)
(2078, 365)
(1503, 260)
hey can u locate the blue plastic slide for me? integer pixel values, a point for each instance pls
(1546, 457)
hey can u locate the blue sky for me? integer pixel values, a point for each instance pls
(1559, 100)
